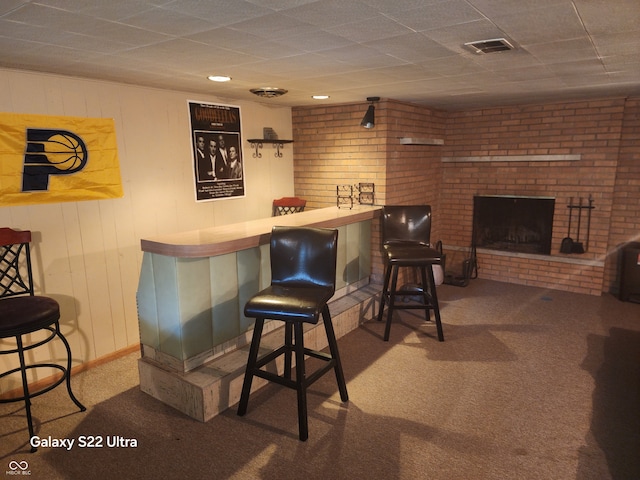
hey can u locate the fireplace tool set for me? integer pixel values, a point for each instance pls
(569, 245)
(469, 268)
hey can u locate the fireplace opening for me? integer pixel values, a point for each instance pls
(513, 224)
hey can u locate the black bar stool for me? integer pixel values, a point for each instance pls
(406, 232)
(303, 276)
(23, 313)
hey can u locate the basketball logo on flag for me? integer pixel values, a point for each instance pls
(51, 152)
(50, 159)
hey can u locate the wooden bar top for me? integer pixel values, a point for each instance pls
(209, 242)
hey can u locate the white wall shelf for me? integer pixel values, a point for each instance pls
(421, 141)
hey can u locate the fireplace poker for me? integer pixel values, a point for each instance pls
(578, 247)
(589, 220)
(567, 243)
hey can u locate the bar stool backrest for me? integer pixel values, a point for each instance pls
(288, 205)
(406, 223)
(304, 257)
(15, 263)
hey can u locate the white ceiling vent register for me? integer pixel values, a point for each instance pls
(489, 46)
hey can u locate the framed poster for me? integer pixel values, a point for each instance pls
(218, 165)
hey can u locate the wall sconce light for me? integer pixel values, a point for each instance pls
(368, 121)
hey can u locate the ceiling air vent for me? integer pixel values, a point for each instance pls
(268, 92)
(489, 46)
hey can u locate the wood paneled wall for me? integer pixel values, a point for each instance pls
(87, 254)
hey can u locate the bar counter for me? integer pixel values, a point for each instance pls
(193, 285)
(239, 236)
(191, 296)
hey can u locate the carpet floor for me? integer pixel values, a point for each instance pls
(528, 384)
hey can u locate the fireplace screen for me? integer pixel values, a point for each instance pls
(514, 224)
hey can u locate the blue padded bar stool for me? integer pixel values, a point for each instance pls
(303, 277)
(23, 313)
(406, 232)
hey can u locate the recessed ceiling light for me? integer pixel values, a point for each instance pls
(219, 78)
(320, 97)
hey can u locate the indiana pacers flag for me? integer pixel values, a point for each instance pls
(49, 159)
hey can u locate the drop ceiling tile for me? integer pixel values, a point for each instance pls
(114, 10)
(496, 8)
(316, 41)
(556, 52)
(542, 25)
(618, 43)
(361, 56)
(9, 5)
(130, 35)
(454, 66)
(387, 7)
(12, 50)
(274, 26)
(437, 15)
(34, 34)
(374, 28)
(622, 63)
(329, 13)
(413, 47)
(621, 15)
(507, 60)
(167, 22)
(264, 49)
(43, 16)
(221, 13)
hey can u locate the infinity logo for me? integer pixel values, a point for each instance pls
(13, 465)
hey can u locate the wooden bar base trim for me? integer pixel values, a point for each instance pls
(212, 388)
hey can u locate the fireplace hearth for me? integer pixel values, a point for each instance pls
(513, 223)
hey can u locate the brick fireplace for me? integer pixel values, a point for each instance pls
(561, 150)
(513, 224)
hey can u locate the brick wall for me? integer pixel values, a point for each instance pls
(589, 130)
(625, 211)
(330, 148)
(600, 138)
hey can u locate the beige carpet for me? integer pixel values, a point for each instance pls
(529, 384)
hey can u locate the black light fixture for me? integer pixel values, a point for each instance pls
(368, 121)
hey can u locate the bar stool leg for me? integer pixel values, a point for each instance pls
(301, 383)
(251, 363)
(333, 349)
(288, 342)
(68, 372)
(426, 293)
(385, 291)
(434, 302)
(392, 298)
(25, 389)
